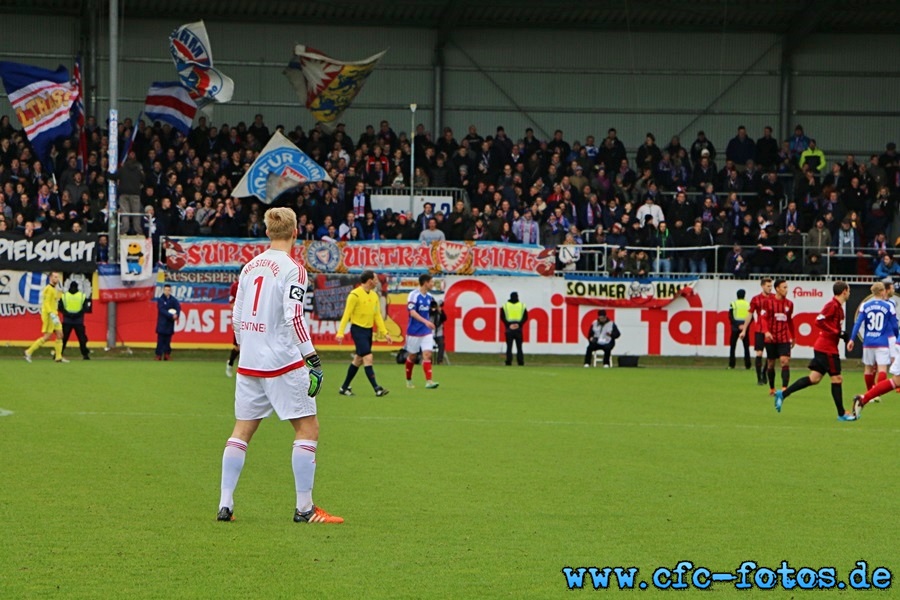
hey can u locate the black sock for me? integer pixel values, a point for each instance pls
(370, 373)
(234, 355)
(771, 374)
(798, 385)
(759, 371)
(785, 376)
(837, 394)
(351, 373)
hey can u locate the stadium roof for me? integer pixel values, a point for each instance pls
(773, 16)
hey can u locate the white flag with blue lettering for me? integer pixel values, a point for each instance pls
(280, 166)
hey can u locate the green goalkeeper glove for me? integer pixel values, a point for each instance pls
(316, 376)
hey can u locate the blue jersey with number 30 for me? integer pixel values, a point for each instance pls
(878, 321)
(420, 303)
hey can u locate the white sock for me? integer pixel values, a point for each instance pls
(232, 463)
(303, 460)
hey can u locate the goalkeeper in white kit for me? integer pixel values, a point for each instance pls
(279, 370)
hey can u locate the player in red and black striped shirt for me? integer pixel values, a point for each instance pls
(778, 329)
(757, 304)
(827, 358)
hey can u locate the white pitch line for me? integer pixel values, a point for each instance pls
(841, 429)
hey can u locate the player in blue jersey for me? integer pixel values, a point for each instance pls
(420, 331)
(877, 320)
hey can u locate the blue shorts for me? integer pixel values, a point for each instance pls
(362, 337)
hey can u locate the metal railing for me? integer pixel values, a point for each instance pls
(613, 261)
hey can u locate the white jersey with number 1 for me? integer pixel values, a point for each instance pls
(268, 316)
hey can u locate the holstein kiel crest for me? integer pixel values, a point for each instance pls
(192, 53)
(280, 166)
(188, 48)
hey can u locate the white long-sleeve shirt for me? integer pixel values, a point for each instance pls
(268, 315)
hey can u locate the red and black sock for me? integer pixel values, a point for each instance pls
(798, 385)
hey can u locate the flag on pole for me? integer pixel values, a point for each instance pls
(42, 100)
(170, 102)
(189, 45)
(130, 142)
(326, 85)
(280, 167)
(78, 115)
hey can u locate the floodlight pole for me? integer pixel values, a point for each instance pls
(113, 135)
(412, 156)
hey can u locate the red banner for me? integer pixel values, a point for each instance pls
(456, 258)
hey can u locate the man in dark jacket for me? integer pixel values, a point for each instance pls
(168, 309)
(767, 150)
(741, 149)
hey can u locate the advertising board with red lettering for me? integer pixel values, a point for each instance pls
(692, 322)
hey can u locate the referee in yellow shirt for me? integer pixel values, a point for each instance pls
(363, 310)
(50, 323)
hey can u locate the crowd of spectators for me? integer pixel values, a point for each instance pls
(766, 205)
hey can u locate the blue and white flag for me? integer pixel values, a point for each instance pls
(189, 45)
(280, 167)
(42, 100)
(170, 102)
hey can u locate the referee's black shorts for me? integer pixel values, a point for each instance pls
(362, 337)
(825, 363)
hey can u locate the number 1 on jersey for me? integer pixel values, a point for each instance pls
(258, 283)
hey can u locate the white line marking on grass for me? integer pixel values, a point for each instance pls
(841, 429)
(605, 423)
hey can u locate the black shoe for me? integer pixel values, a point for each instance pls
(761, 382)
(225, 514)
(345, 391)
(509, 364)
(87, 357)
(380, 391)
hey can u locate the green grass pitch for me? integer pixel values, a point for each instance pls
(484, 488)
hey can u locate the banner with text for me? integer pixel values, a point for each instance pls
(626, 293)
(20, 291)
(185, 254)
(689, 325)
(49, 252)
(689, 318)
(111, 287)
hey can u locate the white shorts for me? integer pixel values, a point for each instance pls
(414, 343)
(876, 356)
(895, 362)
(287, 395)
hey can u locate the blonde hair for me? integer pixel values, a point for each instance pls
(877, 288)
(281, 223)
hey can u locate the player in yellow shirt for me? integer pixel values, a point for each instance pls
(363, 311)
(50, 323)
